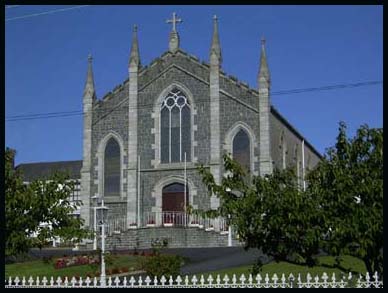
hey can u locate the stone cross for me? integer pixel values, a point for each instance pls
(174, 21)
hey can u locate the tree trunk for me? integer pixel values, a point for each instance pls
(368, 265)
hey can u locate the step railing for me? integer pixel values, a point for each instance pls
(167, 219)
(182, 219)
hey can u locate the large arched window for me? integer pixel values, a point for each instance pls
(241, 149)
(112, 168)
(175, 127)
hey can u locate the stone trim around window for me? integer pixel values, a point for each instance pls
(228, 142)
(100, 169)
(156, 131)
(158, 188)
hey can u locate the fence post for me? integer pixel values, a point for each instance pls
(291, 279)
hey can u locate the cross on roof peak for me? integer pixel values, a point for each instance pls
(174, 21)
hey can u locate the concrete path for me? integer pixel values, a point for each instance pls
(217, 258)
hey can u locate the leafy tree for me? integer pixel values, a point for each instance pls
(349, 180)
(270, 213)
(341, 211)
(18, 203)
(42, 208)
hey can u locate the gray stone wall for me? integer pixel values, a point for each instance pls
(111, 114)
(237, 103)
(176, 237)
(236, 88)
(232, 112)
(292, 141)
(150, 178)
(182, 59)
(117, 121)
(147, 98)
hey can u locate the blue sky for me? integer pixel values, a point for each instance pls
(307, 46)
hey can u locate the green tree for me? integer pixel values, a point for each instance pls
(270, 213)
(349, 180)
(18, 203)
(41, 208)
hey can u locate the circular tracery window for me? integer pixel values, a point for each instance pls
(175, 98)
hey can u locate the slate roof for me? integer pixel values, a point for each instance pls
(32, 171)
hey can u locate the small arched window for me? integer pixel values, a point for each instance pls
(175, 118)
(241, 150)
(112, 168)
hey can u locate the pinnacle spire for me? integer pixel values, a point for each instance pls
(173, 44)
(134, 57)
(215, 46)
(264, 78)
(89, 90)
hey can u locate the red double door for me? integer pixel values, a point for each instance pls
(173, 203)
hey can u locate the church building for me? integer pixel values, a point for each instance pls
(143, 141)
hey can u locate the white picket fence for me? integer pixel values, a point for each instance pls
(209, 282)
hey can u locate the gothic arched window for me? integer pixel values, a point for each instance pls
(112, 168)
(241, 149)
(175, 118)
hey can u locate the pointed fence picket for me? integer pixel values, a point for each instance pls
(242, 281)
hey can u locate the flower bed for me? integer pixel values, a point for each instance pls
(70, 261)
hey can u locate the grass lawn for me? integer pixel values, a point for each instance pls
(41, 269)
(348, 263)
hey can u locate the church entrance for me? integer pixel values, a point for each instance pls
(173, 204)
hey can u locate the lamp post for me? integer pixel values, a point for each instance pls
(102, 212)
(94, 198)
(229, 224)
(229, 232)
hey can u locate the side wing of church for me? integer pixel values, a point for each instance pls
(142, 141)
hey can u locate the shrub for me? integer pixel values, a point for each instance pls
(115, 271)
(159, 265)
(109, 258)
(47, 259)
(124, 270)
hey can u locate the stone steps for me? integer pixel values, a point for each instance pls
(176, 237)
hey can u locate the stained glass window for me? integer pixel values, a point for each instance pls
(175, 127)
(241, 149)
(112, 168)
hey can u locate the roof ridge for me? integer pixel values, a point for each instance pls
(49, 162)
(296, 131)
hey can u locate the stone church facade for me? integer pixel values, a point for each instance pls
(142, 141)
